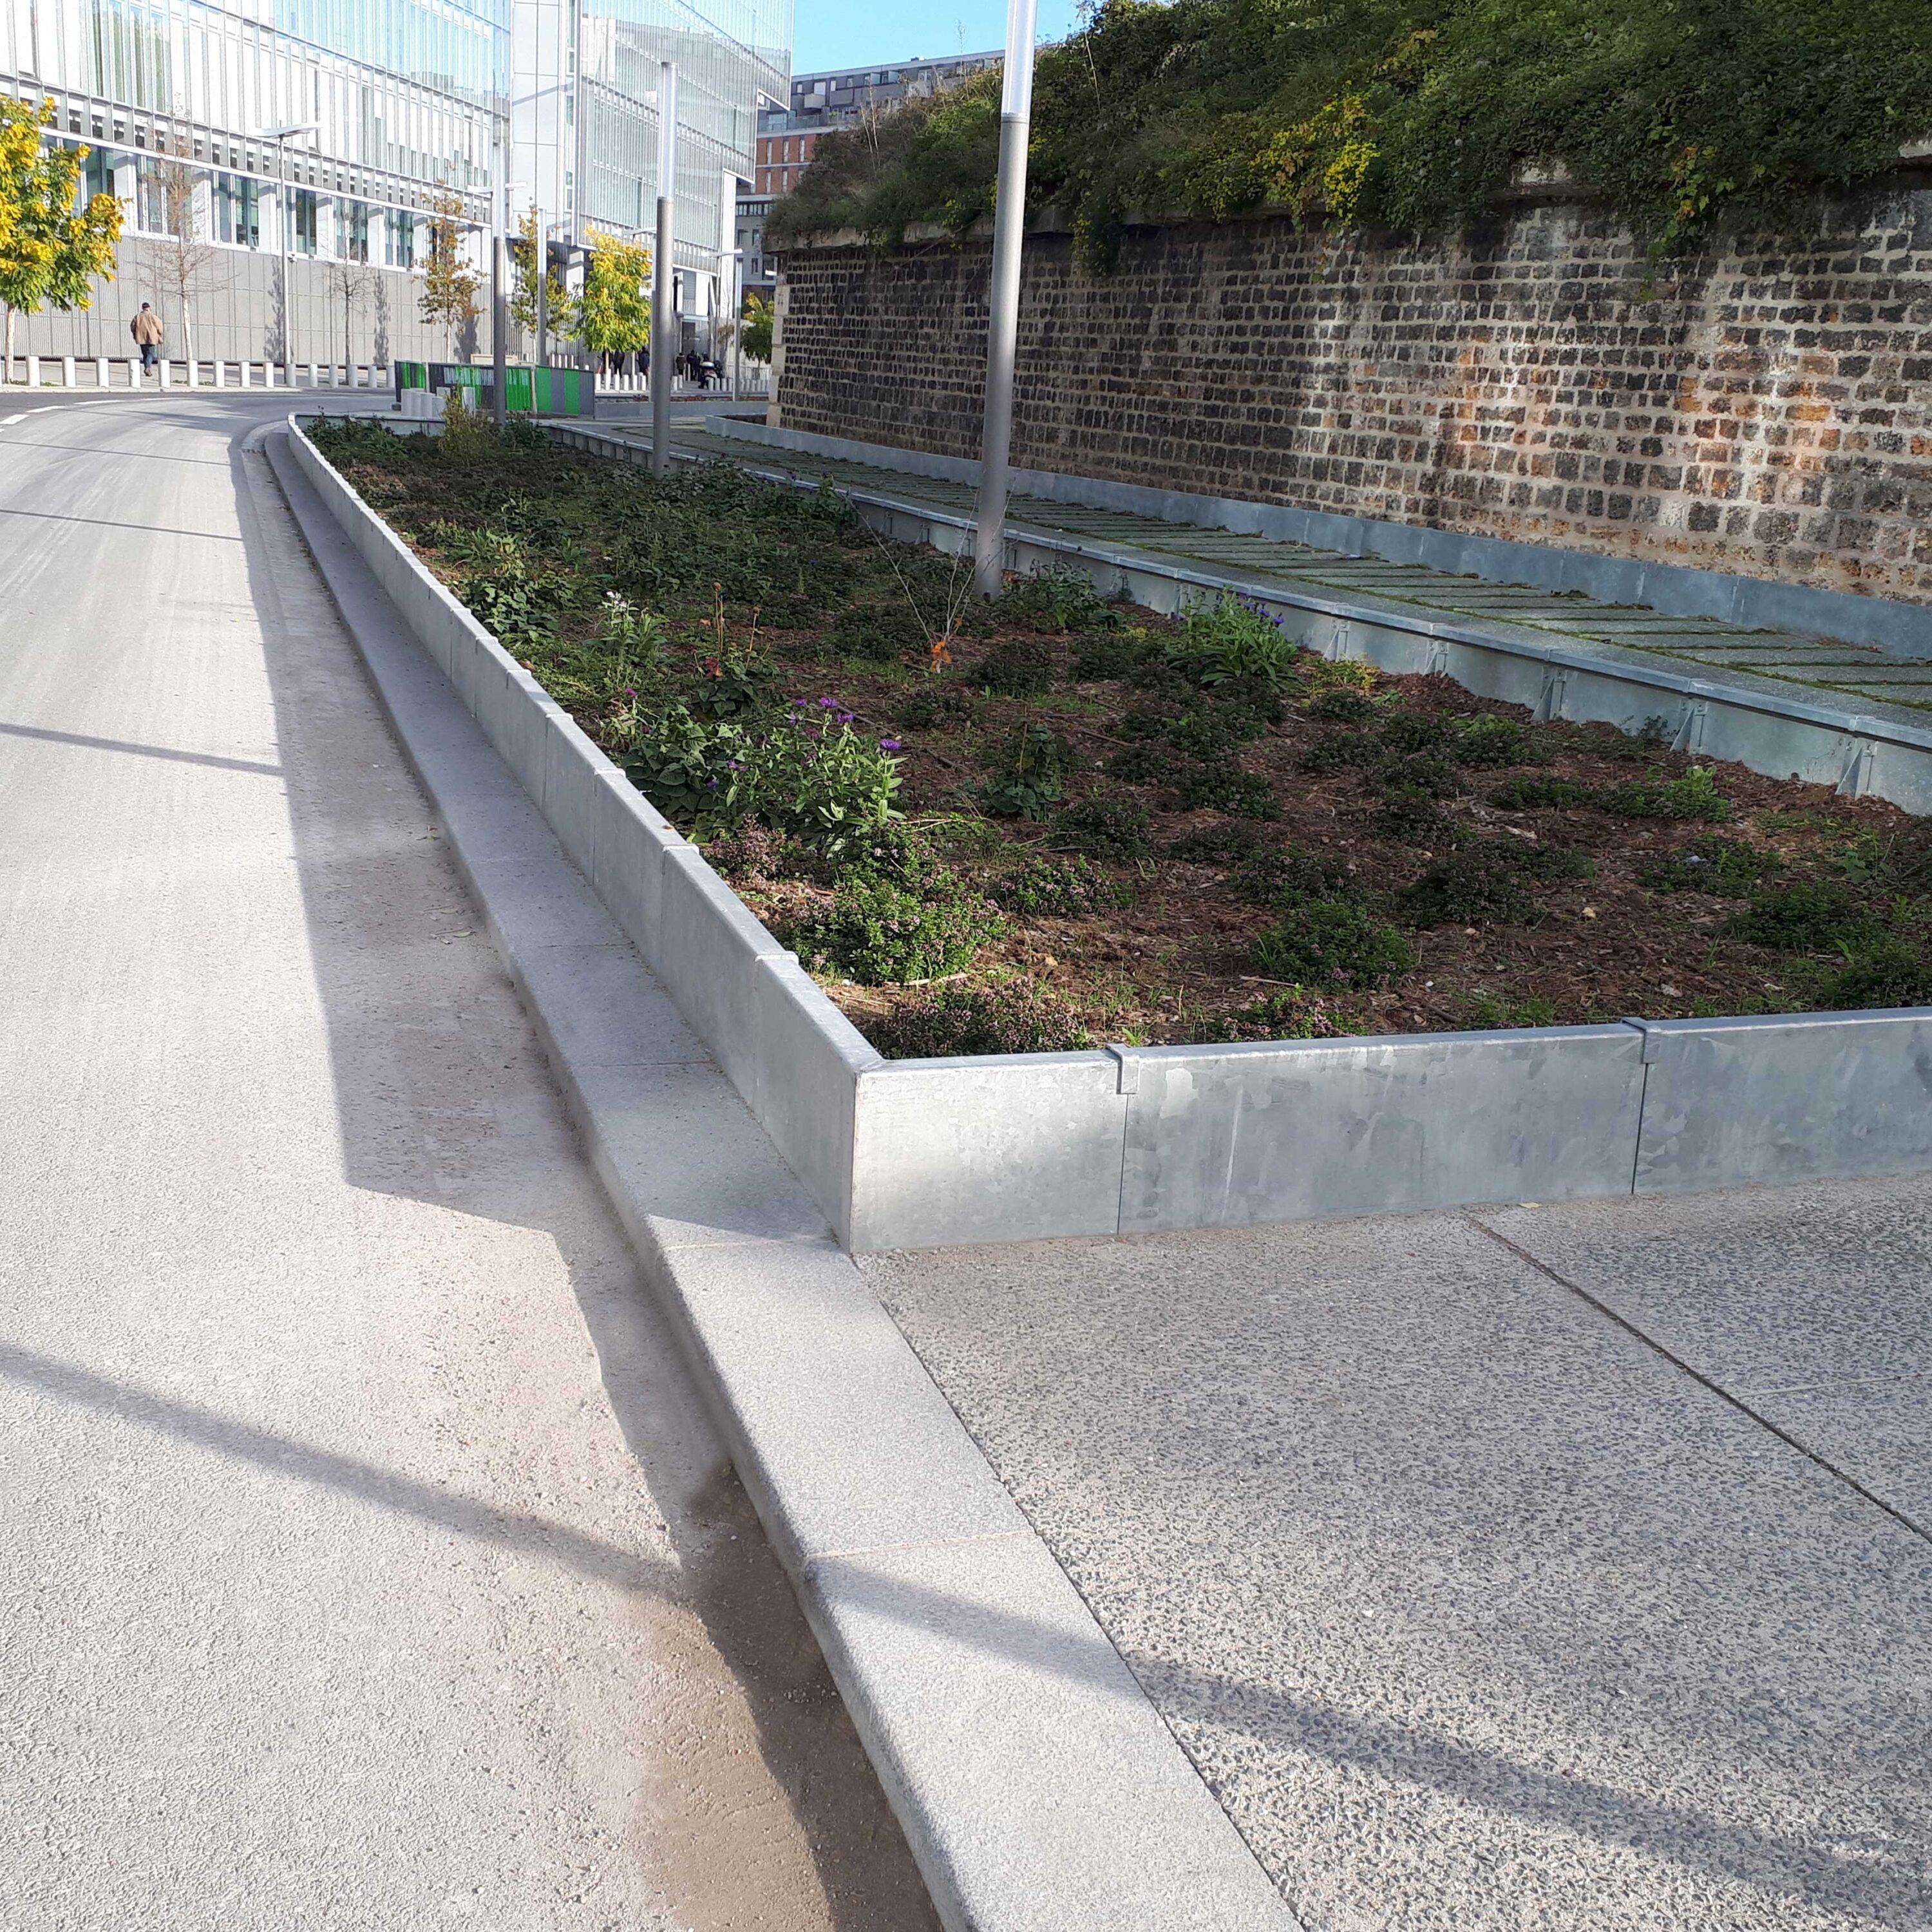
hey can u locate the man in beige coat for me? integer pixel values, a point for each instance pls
(146, 330)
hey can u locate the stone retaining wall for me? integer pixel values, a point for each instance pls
(1765, 410)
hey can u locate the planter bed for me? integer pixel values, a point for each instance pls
(1111, 840)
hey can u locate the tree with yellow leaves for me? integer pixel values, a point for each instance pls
(48, 248)
(526, 251)
(613, 313)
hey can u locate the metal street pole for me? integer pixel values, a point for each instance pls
(499, 293)
(1003, 317)
(543, 292)
(285, 214)
(661, 267)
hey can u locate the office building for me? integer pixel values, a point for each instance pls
(396, 105)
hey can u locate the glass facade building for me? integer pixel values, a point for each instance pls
(401, 102)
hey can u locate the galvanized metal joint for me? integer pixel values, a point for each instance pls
(1127, 1069)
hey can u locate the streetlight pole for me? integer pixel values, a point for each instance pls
(661, 267)
(1003, 317)
(281, 137)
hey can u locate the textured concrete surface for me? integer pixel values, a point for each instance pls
(369, 1559)
(1476, 1609)
(1039, 1790)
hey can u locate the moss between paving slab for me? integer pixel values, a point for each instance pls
(1117, 827)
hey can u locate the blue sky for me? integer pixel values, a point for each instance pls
(854, 33)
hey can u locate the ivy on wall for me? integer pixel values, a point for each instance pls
(1408, 114)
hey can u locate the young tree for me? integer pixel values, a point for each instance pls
(48, 247)
(348, 282)
(614, 314)
(525, 252)
(756, 340)
(180, 265)
(450, 285)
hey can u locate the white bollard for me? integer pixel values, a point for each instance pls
(220, 373)
(100, 372)
(167, 369)
(243, 367)
(312, 382)
(33, 372)
(66, 372)
(133, 372)
(193, 369)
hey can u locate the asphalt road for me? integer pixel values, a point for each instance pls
(369, 1562)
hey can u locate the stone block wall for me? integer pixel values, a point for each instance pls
(1765, 409)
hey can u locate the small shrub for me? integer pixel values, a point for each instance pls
(876, 633)
(1019, 668)
(879, 934)
(1548, 864)
(755, 851)
(1230, 638)
(1882, 972)
(635, 635)
(1140, 726)
(687, 767)
(1411, 818)
(1054, 602)
(937, 705)
(1899, 863)
(1480, 885)
(1029, 775)
(1103, 656)
(1291, 1014)
(1338, 705)
(1141, 764)
(1421, 772)
(1403, 731)
(1338, 751)
(1016, 1017)
(1815, 916)
(1057, 888)
(1332, 944)
(1216, 733)
(1104, 827)
(1270, 873)
(1486, 1012)
(1720, 867)
(1491, 743)
(732, 686)
(1694, 796)
(1321, 673)
(1223, 844)
(1227, 788)
(1539, 794)
(813, 776)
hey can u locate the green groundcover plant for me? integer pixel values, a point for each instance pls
(1407, 114)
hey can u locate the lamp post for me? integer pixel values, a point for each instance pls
(735, 256)
(1003, 317)
(661, 267)
(281, 137)
(499, 283)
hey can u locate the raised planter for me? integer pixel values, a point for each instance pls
(924, 1154)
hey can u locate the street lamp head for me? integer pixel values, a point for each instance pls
(287, 133)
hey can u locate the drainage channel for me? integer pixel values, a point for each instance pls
(1564, 658)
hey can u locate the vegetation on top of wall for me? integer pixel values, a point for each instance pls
(1407, 114)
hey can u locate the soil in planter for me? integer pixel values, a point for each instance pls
(1052, 821)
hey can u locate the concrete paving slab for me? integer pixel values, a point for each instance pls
(1474, 1611)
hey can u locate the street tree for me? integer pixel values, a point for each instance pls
(451, 286)
(48, 248)
(613, 313)
(525, 252)
(183, 261)
(756, 338)
(349, 282)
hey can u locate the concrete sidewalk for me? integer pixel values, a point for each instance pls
(1551, 1567)
(370, 1560)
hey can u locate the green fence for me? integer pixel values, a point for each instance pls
(547, 392)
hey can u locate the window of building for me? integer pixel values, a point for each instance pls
(238, 211)
(303, 239)
(151, 209)
(399, 239)
(355, 231)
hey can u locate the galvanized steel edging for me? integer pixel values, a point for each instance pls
(940, 1152)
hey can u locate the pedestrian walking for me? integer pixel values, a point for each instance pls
(147, 330)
